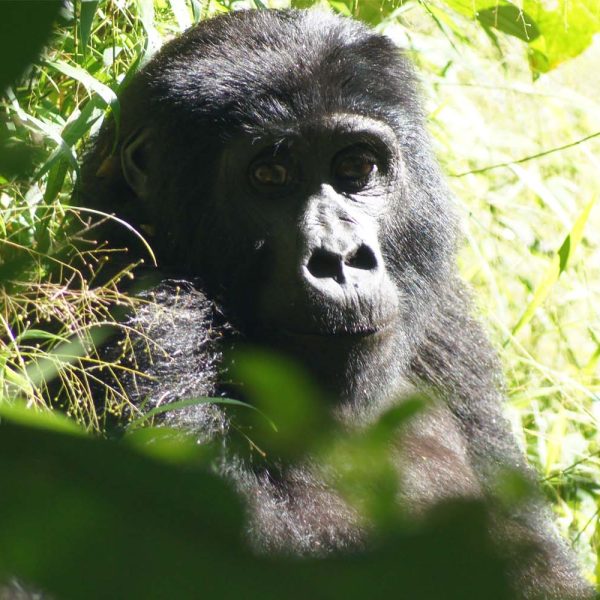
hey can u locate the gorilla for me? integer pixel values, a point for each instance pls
(279, 164)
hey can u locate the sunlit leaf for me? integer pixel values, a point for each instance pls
(153, 40)
(21, 414)
(369, 11)
(18, 380)
(510, 20)
(470, 8)
(181, 12)
(180, 404)
(90, 83)
(567, 29)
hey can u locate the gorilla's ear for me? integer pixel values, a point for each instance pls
(135, 155)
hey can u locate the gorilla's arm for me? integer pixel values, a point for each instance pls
(457, 359)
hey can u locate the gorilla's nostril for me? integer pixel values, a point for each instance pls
(323, 264)
(363, 258)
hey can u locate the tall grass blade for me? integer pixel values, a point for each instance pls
(180, 10)
(560, 262)
(86, 18)
(90, 83)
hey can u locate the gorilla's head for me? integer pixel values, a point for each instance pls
(281, 157)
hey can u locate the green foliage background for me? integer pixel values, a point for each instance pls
(513, 97)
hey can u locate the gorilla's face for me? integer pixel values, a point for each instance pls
(294, 253)
(299, 189)
(312, 196)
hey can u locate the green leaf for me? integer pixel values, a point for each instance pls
(70, 135)
(566, 30)
(341, 7)
(47, 368)
(285, 394)
(56, 178)
(47, 419)
(86, 18)
(62, 493)
(361, 462)
(89, 82)
(510, 20)
(560, 263)
(16, 379)
(76, 129)
(369, 11)
(470, 8)
(40, 334)
(301, 4)
(153, 39)
(501, 15)
(133, 527)
(173, 406)
(373, 11)
(592, 364)
(170, 445)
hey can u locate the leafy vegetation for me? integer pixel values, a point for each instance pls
(512, 98)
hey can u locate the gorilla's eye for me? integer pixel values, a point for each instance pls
(269, 174)
(355, 170)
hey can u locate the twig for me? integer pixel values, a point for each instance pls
(527, 158)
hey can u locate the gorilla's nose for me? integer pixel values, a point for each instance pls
(352, 265)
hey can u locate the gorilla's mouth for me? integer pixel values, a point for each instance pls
(350, 333)
(315, 328)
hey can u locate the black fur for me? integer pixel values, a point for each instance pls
(199, 107)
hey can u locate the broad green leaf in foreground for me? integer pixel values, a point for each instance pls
(85, 518)
(24, 29)
(21, 414)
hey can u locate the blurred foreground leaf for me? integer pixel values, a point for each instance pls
(40, 419)
(296, 411)
(84, 518)
(89, 519)
(24, 29)
(362, 466)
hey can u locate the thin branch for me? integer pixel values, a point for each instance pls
(527, 158)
